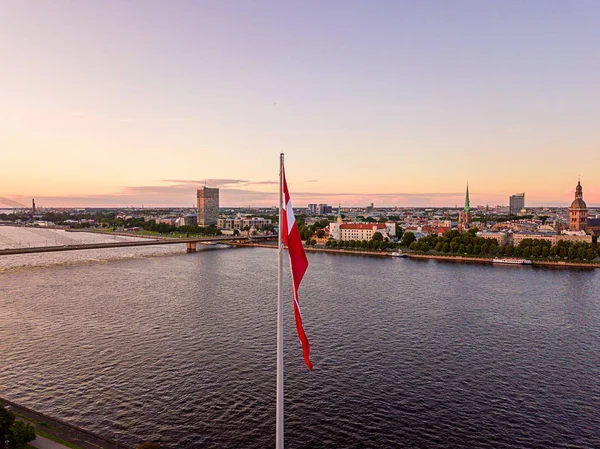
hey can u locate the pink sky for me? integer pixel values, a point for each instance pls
(400, 104)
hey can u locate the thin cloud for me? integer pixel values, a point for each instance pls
(261, 183)
(220, 182)
(149, 119)
(208, 182)
(183, 193)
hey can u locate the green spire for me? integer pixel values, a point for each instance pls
(467, 203)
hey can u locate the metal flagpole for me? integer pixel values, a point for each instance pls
(279, 419)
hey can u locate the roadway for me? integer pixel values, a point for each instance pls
(141, 242)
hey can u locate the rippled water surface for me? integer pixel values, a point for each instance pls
(180, 349)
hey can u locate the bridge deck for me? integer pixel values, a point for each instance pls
(141, 242)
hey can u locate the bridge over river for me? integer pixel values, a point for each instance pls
(191, 244)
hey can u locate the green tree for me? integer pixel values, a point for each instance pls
(377, 237)
(591, 254)
(17, 433)
(399, 231)
(408, 238)
(454, 245)
(7, 418)
(20, 434)
(320, 233)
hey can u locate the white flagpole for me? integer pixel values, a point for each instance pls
(279, 419)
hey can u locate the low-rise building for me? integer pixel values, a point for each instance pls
(361, 231)
(518, 237)
(500, 237)
(242, 222)
(593, 226)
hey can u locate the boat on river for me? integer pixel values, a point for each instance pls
(512, 261)
(397, 254)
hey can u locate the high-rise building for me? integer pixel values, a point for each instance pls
(208, 206)
(517, 202)
(578, 212)
(323, 209)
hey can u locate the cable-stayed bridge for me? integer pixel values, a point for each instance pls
(191, 244)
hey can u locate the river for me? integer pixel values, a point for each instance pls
(153, 344)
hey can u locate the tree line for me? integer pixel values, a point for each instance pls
(453, 242)
(15, 434)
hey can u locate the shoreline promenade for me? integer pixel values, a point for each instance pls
(60, 430)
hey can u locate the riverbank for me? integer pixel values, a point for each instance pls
(440, 257)
(60, 431)
(309, 249)
(489, 260)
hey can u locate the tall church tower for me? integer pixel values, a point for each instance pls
(578, 212)
(464, 216)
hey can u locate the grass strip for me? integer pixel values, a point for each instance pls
(37, 424)
(56, 439)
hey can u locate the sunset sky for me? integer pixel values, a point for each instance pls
(399, 103)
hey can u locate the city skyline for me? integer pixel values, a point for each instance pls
(397, 104)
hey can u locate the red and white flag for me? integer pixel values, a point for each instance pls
(298, 263)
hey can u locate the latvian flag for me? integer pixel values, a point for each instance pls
(298, 264)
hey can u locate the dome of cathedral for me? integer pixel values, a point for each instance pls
(578, 203)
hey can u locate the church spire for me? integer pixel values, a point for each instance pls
(579, 190)
(339, 217)
(467, 202)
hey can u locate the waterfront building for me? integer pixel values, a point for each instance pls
(578, 212)
(360, 231)
(517, 202)
(189, 220)
(241, 222)
(517, 237)
(208, 206)
(171, 221)
(464, 216)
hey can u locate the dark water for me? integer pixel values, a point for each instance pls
(180, 349)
